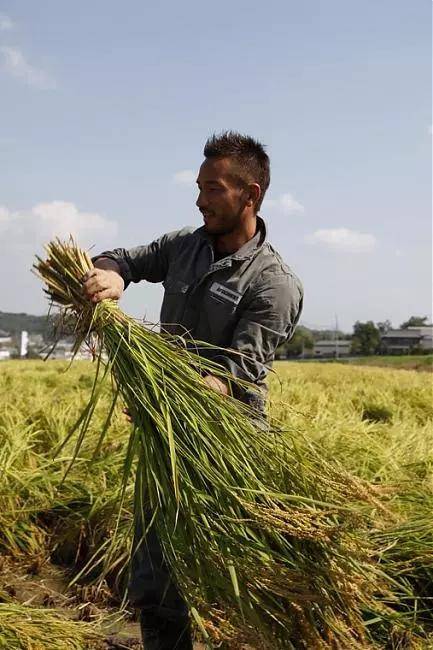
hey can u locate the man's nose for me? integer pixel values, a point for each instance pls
(201, 201)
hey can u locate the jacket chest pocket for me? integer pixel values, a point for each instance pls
(173, 285)
(221, 309)
(224, 295)
(175, 296)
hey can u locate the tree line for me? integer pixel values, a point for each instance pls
(365, 339)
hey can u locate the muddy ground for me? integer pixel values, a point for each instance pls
(43, 584)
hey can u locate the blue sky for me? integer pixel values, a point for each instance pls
(105, 108)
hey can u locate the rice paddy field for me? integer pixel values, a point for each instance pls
(65, 532)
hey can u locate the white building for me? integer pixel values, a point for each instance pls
(63, 350)
(426, 332)
(5, 338)
(6, 345)
(331, 349)
(408, 340)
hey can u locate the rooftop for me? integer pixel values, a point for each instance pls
(332, 344)
(402, 334)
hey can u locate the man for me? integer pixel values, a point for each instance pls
(226, 285)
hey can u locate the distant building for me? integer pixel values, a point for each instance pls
(426, 332)
(5, 338)
(30, 345)
(6, 345)
(329, 349)
(36, 340)
(64, 350)
(411, 339)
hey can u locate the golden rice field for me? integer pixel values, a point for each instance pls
(64, 538)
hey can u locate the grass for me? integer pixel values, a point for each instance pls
(71, 522)
(403, 361)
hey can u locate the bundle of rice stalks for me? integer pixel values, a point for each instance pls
(29, 628)
(252, 522)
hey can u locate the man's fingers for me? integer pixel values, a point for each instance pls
(95, 284)
(103, 284)
(127, 413)
(92, 275)
(101, 295)
(88, 275)
(98, 282)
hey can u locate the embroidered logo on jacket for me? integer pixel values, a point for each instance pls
(224, 293)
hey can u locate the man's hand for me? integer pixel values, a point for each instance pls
(99, 284)
(217, 384)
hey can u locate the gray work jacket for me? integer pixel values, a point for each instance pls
(248, 301)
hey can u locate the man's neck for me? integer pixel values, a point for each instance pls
(233, 241)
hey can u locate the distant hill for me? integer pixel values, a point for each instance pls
(15, 323)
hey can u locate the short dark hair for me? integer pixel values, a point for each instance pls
(250, 155)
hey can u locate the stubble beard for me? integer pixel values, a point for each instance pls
(226, 227)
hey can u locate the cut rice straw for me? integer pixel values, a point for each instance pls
(249, 519)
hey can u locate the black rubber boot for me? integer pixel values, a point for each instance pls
(160, 634)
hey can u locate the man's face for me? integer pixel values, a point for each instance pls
(221, 200)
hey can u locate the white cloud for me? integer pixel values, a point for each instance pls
(430, 129)
(5, 23)
(54, 219)
(290, 205)
(60, 219)
(15, 63)
(343, 239)
(185, 177)
(25, 232)
(286, 204)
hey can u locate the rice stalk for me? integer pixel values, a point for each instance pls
(251, 519)
(30, 628)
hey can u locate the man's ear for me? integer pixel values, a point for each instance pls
(254, 194)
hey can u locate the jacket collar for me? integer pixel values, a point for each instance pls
(249, 249)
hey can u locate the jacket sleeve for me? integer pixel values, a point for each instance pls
(149, 262)
(268, 319)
